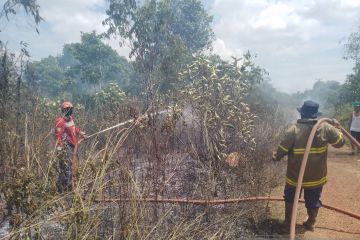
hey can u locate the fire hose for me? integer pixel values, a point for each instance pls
(246, 199)
(303, 165)
(75, 154)
(215, 202)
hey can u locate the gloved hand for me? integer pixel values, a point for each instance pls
(83, 135)
(336, 123)
(273, 157)
(59, 148)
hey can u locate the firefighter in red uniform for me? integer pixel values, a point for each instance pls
(65, 136)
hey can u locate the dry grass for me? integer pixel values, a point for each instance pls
(174, 155)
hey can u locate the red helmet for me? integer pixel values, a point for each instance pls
(65, 105)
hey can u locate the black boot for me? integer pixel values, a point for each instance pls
(310, 222)
(285, 227)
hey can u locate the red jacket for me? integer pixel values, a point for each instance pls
(65, 130)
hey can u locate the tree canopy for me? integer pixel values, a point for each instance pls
(82, 68)
(95, 62)
(351, 89)
(31, 7)
(163, 35)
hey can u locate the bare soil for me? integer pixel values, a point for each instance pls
(341, 191)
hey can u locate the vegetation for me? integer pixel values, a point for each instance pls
(190, 111)
(163, 35)
(351, 88)
(180, 154)
(76, 72)
(31, 8)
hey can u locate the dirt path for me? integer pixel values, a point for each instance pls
(342, 191)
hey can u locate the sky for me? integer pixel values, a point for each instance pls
(298, 42)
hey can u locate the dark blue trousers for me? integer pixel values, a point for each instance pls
(311, 196)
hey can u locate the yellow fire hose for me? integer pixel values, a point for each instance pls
(237, 200)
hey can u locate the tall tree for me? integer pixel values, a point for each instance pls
(90, 64)
(47, 75)
(163, 35)
(352, 48)
(95, 62)
(351, 88)
(31, 7)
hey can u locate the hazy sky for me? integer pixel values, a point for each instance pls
(297, 41)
